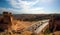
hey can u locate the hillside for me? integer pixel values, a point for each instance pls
(31, 17)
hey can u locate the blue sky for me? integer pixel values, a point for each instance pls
(30, 6)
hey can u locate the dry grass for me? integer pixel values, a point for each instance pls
(8, 33)
(20, 24)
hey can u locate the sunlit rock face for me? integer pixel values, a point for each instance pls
(54, 23)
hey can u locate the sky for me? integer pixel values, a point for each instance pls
(30, 6)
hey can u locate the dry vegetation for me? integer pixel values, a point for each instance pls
(20, 25)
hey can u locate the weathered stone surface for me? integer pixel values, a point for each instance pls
(5, 21)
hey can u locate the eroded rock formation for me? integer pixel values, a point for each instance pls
(5, 21)
(54, 23)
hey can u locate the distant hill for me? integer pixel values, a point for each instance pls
(31, 17)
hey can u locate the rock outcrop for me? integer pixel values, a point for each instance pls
(5, 21)
(54, 23)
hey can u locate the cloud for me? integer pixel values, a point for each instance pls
(29, 11)
(9, 10)
(37, 8)
(21, 4)
(25, 6)
(25, 3)
(46, 1)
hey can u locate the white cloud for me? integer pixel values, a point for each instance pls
(22, 4)
(29, 11)
(26, 6)
(37, 8)
(8, 10)
(46, 1)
